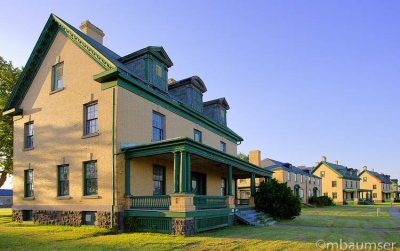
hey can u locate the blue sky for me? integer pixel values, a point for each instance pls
(303, 78)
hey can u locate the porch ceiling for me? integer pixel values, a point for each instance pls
(202, 155)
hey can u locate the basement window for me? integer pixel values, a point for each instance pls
(27, 215)
(89, 218)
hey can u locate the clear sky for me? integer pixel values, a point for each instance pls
(303, 78)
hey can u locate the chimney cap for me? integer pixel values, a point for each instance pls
(324, 158)
(365, 168)
(92, 31)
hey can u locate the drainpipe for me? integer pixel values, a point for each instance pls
(113, 157)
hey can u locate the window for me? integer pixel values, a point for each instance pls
(319, 181)
(322, 173)
(28, 183)
(91, 119)
(301, 193)
(375, 195)
(288, 176)
(63, 180)
(158, 70)
(242, 180)
(365, 179)
(29, 135)
(198, 183)
(356, 184)
(158, 126)
(197, 135)
(295, 177)
(222, 146)
(58, 74)
(374, 187)
(302, 178)
(158, 180)
(314, 181)
(90, 178)
(27, 215)
(309, 180)
(88, 218)
(334, 195)
(334, 183)
(223, 187)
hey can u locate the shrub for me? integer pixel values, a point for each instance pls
(277, 200)
(321, 201)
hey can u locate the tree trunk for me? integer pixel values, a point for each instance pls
(3, 178)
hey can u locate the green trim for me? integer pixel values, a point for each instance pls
(154, 51)
(127, 177)
(230, 180)
(176, 171)
(333, 169)
(253, 185)
(46, 38)
(188, 173)
(142, 90)
(113, 157)
(107, 85)
(198, 213)
(201, 150)
(183, 179)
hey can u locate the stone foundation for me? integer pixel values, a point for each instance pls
(68, 218)
(103, 219)
(183, 226)
(17, 215)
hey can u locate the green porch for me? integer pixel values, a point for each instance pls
(192, 204)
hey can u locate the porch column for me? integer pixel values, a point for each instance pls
(230, 180)
(127, 177)
(183, 178)
(188, 173)
(176, 171)
(253, 185)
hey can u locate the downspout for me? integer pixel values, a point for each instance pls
(113, 157)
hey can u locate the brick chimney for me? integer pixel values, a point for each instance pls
(255, 157)
(324, 158)
(337, 162)
(365, 168)
(92, 31)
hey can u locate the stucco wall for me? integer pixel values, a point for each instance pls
(58, 128)
(134, 123)
(330, 176)
(369, 184)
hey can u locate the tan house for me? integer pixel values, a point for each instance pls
(379, 183)
(303, 184)
(340, 183)
(395, 189)
(99, 138)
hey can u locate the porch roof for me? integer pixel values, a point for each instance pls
(196, 148)
(365, 190)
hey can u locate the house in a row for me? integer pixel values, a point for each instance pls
(99, 138)
(340, 183)
(396, 190)
(6, 198)
(303, 184)
(379, 183)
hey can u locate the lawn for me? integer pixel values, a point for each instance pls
(347, 216)
(28, 236)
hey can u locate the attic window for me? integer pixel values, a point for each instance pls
(158, 71)
(58, 74)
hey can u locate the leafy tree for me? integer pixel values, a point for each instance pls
(277, 200)
(243, 156)
(8, 77)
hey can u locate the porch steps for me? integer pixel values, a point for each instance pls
(253, 218)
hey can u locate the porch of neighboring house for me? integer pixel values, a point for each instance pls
(183, 187)
(396, 195)
(350, 196)
(364, 196)
(386, 196)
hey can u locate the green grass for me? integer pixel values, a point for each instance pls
(29, 236)
(346, 216)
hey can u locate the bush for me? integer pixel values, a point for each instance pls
(277, 200)
(321, 201)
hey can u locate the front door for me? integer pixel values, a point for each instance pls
(198, 183)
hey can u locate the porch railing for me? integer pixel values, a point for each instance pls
(243, 201)
(209, 202)
(151, 202)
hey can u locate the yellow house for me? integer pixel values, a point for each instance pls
(379, 183)
(340, 183)
(395, 189)
(303, 184)
(101, 138)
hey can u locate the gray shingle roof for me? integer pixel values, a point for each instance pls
(380, 176)
(347, 173)
(271, 165)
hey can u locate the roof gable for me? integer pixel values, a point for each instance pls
(380, 177)
(46, 38)
(342, 171)
(156, 51)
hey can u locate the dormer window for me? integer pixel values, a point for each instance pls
(158, 71)
(58, 76)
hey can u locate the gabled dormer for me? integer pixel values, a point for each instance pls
(150, 64)
(216, 110)
(188, 91)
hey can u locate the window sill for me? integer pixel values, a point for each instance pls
(28, 149)
(64, 197)
(90, 135)
(29, 198)
(91, 197)
(55, 91)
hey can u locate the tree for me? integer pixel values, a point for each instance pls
(243, 156)
(8, 77)
(277, 200)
